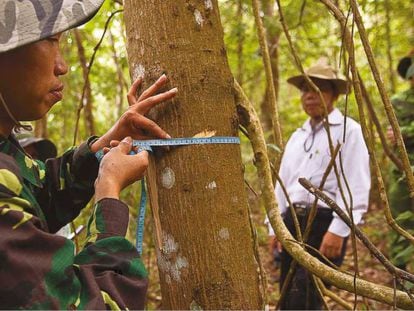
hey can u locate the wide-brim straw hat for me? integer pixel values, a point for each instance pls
(323, 72)
(26, 21)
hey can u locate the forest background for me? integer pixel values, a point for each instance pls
(102, 94)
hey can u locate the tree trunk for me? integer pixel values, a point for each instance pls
(87, 100)
(205, 250)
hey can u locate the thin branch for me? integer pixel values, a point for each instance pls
(377, 124)
(277, 133)
(263, 279)
(388, 39)
(334, 296)
(320, 292)
(291, 209)
(316, 251)
(240, 42)
(302, 12)
(95, 51)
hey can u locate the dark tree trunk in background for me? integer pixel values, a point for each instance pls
(273, 36)
(240, 43)
(88, 99)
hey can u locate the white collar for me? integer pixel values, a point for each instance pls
(334, 118)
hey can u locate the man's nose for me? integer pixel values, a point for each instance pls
(310, 94)
(61, 68)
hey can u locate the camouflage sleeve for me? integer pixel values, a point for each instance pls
(69, 183)
(39, 270)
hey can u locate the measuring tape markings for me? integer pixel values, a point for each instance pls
(139, 236)
(150, 143)
(147, 145)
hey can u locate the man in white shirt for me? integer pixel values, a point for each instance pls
(307, 154)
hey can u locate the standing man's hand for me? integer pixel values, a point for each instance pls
(331, 245)
(133, 122)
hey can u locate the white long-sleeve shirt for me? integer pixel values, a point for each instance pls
(304, 158)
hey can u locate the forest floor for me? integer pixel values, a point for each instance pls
(370, 268)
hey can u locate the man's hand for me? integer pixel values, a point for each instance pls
(133, 122)
(118, 169)
(331, 245)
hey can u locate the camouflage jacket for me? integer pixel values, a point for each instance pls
(403, 104)
(38, 269)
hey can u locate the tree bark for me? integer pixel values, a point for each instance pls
(205, 247)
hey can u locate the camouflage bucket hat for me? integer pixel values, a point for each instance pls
(26, 21)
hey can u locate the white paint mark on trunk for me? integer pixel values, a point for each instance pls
(169, 245)
(234, 199)
(209, 5)
(198, 18)
(138, 72)
(211, 185)
(167, 178)
(170, 261)
(224, 233)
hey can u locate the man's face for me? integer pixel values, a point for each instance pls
(29, 78)
(312, 103)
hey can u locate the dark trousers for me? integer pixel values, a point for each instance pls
(301, 293)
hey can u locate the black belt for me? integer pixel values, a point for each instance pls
(302, 210)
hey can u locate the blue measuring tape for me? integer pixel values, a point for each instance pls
(139, 235)
(148, 145)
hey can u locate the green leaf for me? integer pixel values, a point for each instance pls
(274, 147)
(407, 215)
(406, 253)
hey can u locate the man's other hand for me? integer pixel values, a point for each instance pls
(331, 245)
